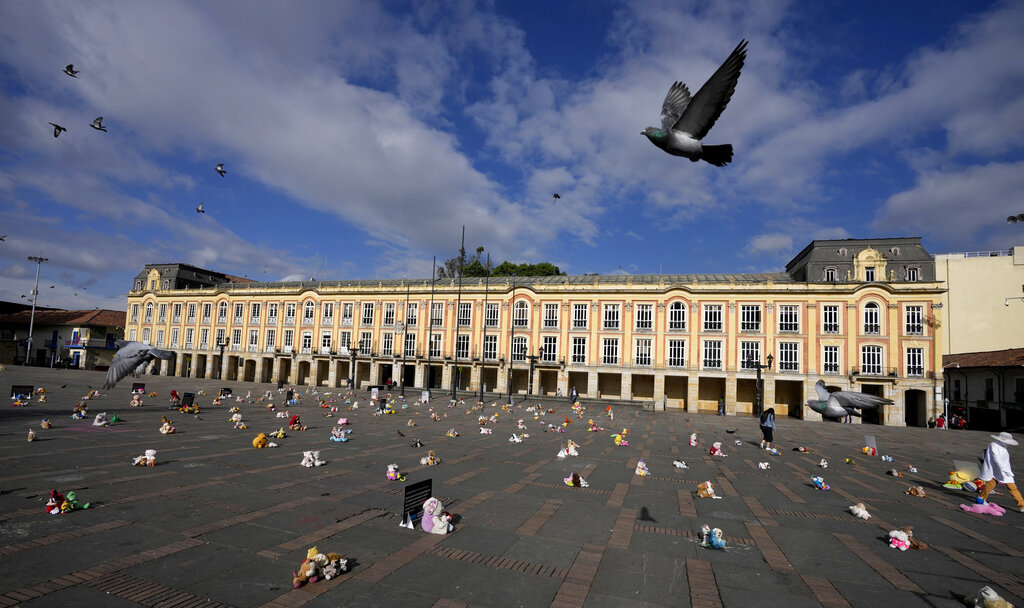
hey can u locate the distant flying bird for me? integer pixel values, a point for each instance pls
(841, 403)
(57, 129)
(220, 169)
(685, 120)
(3, 237)
(401, 434)
(554, 198)
(130, 357)
(199, 209)
(98, 124)
(51, 286)
(71, 71)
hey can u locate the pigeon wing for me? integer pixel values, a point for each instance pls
(161, 354)
(128, 357)
(860, 400)
(675, 103)
(709, 102)
(823, 393)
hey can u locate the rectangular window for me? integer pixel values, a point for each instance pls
(145, 335)
(551, 316)
(713, 318)
(412, 312)
(325, 342)
(644, 317)
(132, 335)
(437, 314)
(239, 311)
(271, 343)
(871, 360)
(491, 314)
(750, 355)
(345, 340)
(519, 348)
(289, 340)
(912, 274)
(435, 345)
(490, 348)
(579, 350)
(579, 315)
(327, 315)
(830, 319)
(176, 313)
(915, 362)
(135, 313)
(220, 338)
(830, 275)
(712, 354)
(306, 347)
(750, 317)
(549, 349)
(367, 313)
(191, 317)
(204, 338)
(677, 316)
(190, 335)
(410, 344)
(163, 314)
(175, 334)
(236, 339)
(289, 313)
(465, 314)
(611, 316)
(462, 346)
(610, 351)
(869, 273)
(789, 357)
(872, 325)
(387, 344)
(365, 341)
(207, 312)
(222, 312)
(677, 353)
(389, 313)
(346, 313)
(254, 313)
(914, 320)
(254, 339)
(520, 314)
(272, 313)
(789, 318)
(159, 337)
(308, 311)
(831, 360)
(642, 353)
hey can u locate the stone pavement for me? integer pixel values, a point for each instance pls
(218, 523)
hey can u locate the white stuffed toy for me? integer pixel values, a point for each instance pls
(898, 539)
(823, 464)
(311, 459)
(101, 420)
(679, 464)
(569, 450)
(641, 468)
(987, 598)
(693, 439)
(146, 460)
(859, 510)
(435, 519)
(764, 465)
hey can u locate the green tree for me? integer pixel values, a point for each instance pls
(476, 266)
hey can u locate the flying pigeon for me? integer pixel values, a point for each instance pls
(555, 198)
(840, 403)
(685, 120)
(220, 169)
(199, 209)
(2, 237)
(131, 356)
(71, 71)
(98, 124)
(57, 129)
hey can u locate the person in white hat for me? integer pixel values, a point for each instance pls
(996, 468)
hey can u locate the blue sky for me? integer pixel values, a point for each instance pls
(359, 138)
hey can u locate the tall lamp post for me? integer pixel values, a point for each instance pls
(401, 330)
(352, 366)
(758, 366)
(221, 344)
(458, 321)
(512, 339)
(483, 339)
(533, 365)
(35, 296)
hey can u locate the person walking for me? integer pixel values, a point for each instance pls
(767, 424)
(995, 467)
(721, 406)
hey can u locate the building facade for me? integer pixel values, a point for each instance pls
(987, 388)
(864, 315)
(82, 339)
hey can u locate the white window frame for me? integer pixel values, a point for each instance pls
(462, 346)
(288, 341)
(132, 335)
(162, 317)
(830, 360)
(491, 314)
(204, 338)
(190, 334)
(146, 334)
(711, 355)
(520, 314)
(580, 315)
(160, 337)
(490, 347)
(207, 312)
(254, 339)
(609, 351)
(222, 311)
(175, 335)
(236, 339)
(176, 313)
(750, 354)
(410, 344)
(750, 318)
(306, 343)
(789, 318)
(412, 313)
(830, 319)
(677, 316)
(644, 317)
(327, 313)
(347, 309)
(239, 312)
(869, 274)
(271, 342)
(289, 313)
(549, 349)
(367, 317)
(325, 340)
(642, 352)
(915, 362)
(788, 358)
(551, 316)
(872, 360)
(191, 310)
(913, 274)
(579, 350)
(366, 342)
(389, 313)
(872, 319)
(611, 320)
(436, 344)
(465, 314)
(713, 318)
(148, 318)
(272, 309)
(308, 312)
(135, 313)
(387, 344)
(254, 312)
(437, 314)
(913, 320)
(519, 348)
(676, 353)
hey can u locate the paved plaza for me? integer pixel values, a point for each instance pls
(219, 523)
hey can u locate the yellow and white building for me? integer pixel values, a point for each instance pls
(864, 315)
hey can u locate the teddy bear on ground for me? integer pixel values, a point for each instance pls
(915, 544)
(859, 510)
(693, 439)
(31, 435)
(430, 459)
(166, 428)
(101, 420)
(336, 566)
(393, 474)
(148, 459)
(641, 468)
(576, 481)
(81, 411)
(898, 539)
(823, 463)
(45, 423)
(706, 489)
(435, 519)
(261, 441)
(311, 459)
(309, 569)
(569, 450)
(916, 491)
(716, 449)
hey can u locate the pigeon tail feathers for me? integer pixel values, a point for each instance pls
(718, 156)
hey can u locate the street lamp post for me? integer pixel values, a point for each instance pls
(758, 366)
(401, 330)
(35, 296)
(222, 344)
(483, 339)
(512, 339)
(352, 366)
(458, 322)
(533, 364)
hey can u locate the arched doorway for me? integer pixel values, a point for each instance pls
(914, 408)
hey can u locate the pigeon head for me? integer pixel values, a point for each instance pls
(653, 134)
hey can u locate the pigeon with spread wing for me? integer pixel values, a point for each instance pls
(839, 404)
(130, 357)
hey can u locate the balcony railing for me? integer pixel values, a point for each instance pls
(272, 320)
(307, 321)
(190, 320)
(877, 371)
(289, 320)
(287, 349)
(254, 348)
(236, 347)
(188, 346)
(269, 348)
(306, 350)
(176, 319)
(325, 350)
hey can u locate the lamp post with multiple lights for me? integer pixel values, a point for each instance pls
(39, 260)
(758, 366)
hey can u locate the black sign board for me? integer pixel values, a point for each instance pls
(225, 392)
(188, 399)
(138, 387)
(415, 495)
(22, 389)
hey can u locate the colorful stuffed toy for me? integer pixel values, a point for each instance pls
(956, 480)
(894, 473)
(870, 451)
(898, 539)
(915, 545)
(984, 508)
(45, 423)
(801, 449)
(679, 464)
(620, 440)
(716, 449)
(569, 450)
(336, 566)
(435, 519)
(887, 458)
(641, 468)
(987, 598)
(820, 484)
(430, 459)
(166, 428)
(309, 571)
(71, 503)
(260, 441)
(859, 510)
(146, 460)
(916, 491)
(711, 538)
(706, 489)
(393, 474)
(576, 481)
(54, 503)
(693, 439)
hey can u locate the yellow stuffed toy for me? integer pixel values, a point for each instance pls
(706, 489)
(260, 441)
(956, 480)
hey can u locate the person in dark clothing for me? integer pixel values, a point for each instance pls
(767, 424)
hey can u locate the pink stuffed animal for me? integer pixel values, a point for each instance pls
(987, 508)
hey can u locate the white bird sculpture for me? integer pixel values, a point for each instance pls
(838, 404)
(131, 356)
